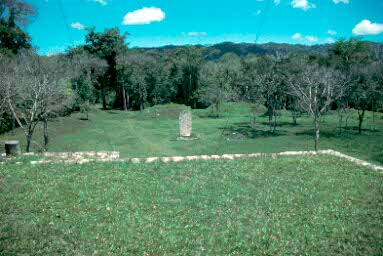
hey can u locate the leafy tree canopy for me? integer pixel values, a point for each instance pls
(106, 45)
(14, 15)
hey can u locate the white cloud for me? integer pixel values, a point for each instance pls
(341, 1)
(195, 34)
(144, 16)
(332, 32)
(300, 37)
(78, 26)
(258, 12)
(330, 40)
(297, 36)
(302, 4)
(312, 39)
(103, 2)
(367, 28)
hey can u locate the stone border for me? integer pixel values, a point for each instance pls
(256, 155)
(114, 156)
(101, 154)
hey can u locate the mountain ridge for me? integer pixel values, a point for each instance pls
(244, 49)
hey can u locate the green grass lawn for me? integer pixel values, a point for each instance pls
(289, 205)
(153, 132)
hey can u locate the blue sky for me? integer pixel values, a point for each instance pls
(164, 22)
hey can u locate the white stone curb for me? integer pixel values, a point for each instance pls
(115, 157)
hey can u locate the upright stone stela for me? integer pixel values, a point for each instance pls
(185, 123)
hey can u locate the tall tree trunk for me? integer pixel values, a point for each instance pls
(347, 111)
(341, 120)
(103, 96)
(254, 121)
(141, 104)
(373, 116)
(87, 109)
(317, 132)
(13, 125)
(361, 117)
(294, 115)
(217, 108)
(347, 117)
(194, 103)
(46, 138)
(275, 120)
(29, 140)
(270, 112)
(127, 100)
(119, 100)
(124, 99)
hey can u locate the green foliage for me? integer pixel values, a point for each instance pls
(14, 14)
(13, 39)
(219, 81)
(107, 46)
(190, 60)
(345, 53)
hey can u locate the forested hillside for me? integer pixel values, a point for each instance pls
(244, 49)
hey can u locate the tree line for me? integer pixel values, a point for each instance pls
(105, 71)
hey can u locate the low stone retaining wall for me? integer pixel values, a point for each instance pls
(87, 157)
(256, 155)
(114, 156)
(102, 154)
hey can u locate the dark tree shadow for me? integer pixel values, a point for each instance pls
(282, 124)
(378, 158)
(355, 128)
(111, 112)
(326, 134)
(252, 133)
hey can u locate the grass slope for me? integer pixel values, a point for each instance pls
(300, 206)
(153, 132)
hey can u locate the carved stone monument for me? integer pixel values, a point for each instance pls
(185, 123)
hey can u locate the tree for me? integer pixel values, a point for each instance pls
(345, 53)
(190, 60)
(89, 71)
(37, 88)
(107, 46)
(351, 57)
(268, 81)
(158, 77)
(364, 91)
(134, 70)
(14, 15)
(218, 81)
(250, 89)
(146, 77)
(317, 88)
(292, 66)
(2, 95)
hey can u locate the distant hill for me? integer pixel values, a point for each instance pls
(243, 49)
